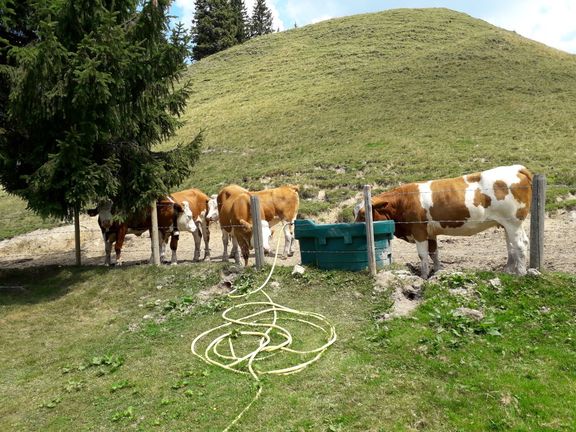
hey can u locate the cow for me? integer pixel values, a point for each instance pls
(214, 215)
(200, 205)
(461, 206)
(236, 219)
(278, 205)
(170, 216)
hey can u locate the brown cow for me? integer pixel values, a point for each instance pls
(170, 215)
(459, 206)
(199, 204)
(236, 219)
(277, 205)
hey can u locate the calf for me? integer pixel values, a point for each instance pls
(170, 215)
(200, 205)
(459, 206)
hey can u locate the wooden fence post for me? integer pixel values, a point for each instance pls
(154, 234)
(257, 232)
(537, 216)
(77, 235)
(369, 230)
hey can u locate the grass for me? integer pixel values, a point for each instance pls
(93, 349)
(382, 98)
(15, 219)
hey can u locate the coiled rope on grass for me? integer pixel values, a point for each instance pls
(261, 324)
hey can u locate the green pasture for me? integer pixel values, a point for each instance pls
(383, 99)
(96, 349)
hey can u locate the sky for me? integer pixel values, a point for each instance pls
(548, 21)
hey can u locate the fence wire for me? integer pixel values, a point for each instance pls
(56, 246)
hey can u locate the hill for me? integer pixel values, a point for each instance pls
(382, 98)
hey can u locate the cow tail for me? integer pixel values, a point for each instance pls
(527, 173)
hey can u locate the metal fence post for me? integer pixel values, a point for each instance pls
(369, 230)
(154, 234)
(257, 232)
(537, 216)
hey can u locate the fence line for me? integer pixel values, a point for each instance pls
(138, 249)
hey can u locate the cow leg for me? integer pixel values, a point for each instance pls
(422, 248)
(235, 251)
(197, 241)
(433, 252)
(161, 248)
(245, 248)
(288, 240)
(174, 247)
(107, 251)
(206, 235)
(517, 245)
(120, 236)
(225, 238)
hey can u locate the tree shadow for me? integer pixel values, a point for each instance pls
(33, 285)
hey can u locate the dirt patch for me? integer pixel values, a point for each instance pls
(484, 251)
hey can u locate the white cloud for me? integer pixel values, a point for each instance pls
(551, 23)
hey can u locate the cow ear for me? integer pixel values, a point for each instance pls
(378, 208)
(93, 212)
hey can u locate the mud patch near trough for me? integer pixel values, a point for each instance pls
(406, 291)
(226, 284)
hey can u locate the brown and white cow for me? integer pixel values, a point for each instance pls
(459, 206)
(170, 215)
(277, 205)
(199, 204)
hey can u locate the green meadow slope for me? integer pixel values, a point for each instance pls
(383, 98)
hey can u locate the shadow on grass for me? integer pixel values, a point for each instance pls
(42, 284)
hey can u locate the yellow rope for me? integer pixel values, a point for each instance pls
(261, 326)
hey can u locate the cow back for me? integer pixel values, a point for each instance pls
(196, 199)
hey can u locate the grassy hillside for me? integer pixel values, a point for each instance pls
(382, 98)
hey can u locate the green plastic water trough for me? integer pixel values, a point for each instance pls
(342, 246)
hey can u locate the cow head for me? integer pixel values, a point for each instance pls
(212, 206)
(104, 213)
(186, 218)
(380, 210)
(266, 234)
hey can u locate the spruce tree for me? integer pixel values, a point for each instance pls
(90, 99)
(213, 28)
(18, 26)
(261, 19)
(241, 20)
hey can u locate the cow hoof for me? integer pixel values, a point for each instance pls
(290, 254)
(174, 263)
(283, 257)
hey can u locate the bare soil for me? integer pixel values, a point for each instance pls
(484, 251)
